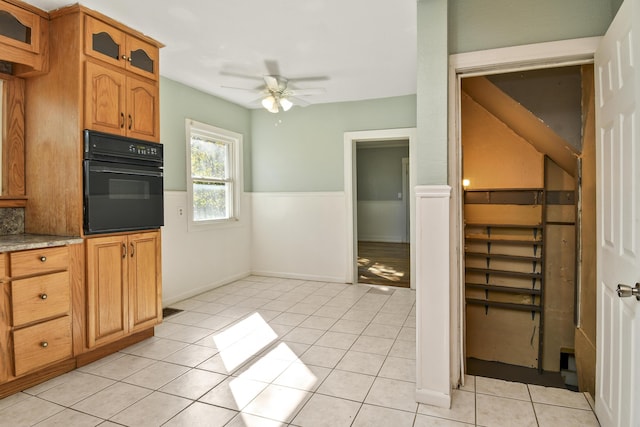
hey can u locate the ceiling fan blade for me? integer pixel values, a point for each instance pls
(309, 79)
(306, 92)
(272, 67)
(298, 101)
(272, 83)
(255, 90)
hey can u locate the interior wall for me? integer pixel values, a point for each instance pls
(585, 333)
(495, 157)
(381, 206)
(560, 263)
(195, 261)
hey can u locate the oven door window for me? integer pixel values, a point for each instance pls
(122, 197)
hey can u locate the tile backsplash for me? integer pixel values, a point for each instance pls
(11, 221)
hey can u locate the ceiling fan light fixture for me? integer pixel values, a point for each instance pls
(269, 103)
(285, 104)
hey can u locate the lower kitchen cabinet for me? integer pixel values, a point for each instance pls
(123, 285)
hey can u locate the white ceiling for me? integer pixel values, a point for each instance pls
(361, 49)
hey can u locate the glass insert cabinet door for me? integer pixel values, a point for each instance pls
(109, 44)
(19, 28)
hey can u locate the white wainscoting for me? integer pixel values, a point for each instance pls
(433, 327)
(299, 235)
(382, 221)
(196, 261)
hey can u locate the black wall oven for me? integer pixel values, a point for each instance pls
(123, 184)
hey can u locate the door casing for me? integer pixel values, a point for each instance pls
(494, 61)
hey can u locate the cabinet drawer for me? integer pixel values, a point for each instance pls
(40, 297)
(41, 344)
(38, 261)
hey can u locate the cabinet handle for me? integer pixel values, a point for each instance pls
(43, 259)
(121, 120)
(126, 58)
(124, 251)
(132, 250)
(44, 344)
(130, 121)
(43, 296)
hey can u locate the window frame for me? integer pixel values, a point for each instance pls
(234, 175)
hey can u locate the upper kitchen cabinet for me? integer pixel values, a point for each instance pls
(23, 38)
(119, 104)
(92, 87)
(119, 48)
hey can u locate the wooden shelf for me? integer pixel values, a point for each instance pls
(504, 241)
(503, 289)
(508, 273)
(506, 305)
(504, 257)
(520, 226)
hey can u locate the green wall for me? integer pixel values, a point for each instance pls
(178, 102)
(486, 24)
(302, 150)
(471, 25)
(380, 172)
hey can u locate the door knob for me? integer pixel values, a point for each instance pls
(625, 291)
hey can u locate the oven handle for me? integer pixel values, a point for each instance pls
(122, 171)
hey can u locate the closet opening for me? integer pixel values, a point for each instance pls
(528, 203)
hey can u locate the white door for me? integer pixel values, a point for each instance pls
(618, 210)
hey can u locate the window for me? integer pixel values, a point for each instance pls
(213, 172)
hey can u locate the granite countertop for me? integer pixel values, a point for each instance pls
(19, 242)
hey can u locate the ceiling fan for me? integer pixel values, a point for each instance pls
(276, 94)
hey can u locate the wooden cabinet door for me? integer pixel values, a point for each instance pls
(107, 297)
(143, 119)
(145, 295)
(104, 99)
(104, 42)
(142, 58)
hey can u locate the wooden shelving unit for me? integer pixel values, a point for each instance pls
(501, 257)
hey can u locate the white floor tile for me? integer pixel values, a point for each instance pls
(326, 411)
(500, 411)
(76, 387)
(463, 408)
(70, 418)
(558, 397)
(248, 420)
(551, 416)
(201, 415)
(398, 368)
(376, 416)
(502, 388)
(363, 363)
(28, 412)
(193, 384)
(322, 356)
(113, 399)
(393, 394)
(337, 340)
(373, 345)
(429, 421)
(192, 355)
(347, 385)
(155, 376)
(233, 393)
(303, 377)
(277, 403)
(153, 410)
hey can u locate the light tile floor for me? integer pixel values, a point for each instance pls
(276, 352)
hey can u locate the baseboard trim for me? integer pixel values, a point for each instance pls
(204, 288)
(429, 397)
(310, 277)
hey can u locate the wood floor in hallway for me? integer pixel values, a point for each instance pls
(386, 264)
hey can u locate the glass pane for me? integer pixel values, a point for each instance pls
(140, 59)
(103, 43)
(12, 28)
(210, 201)
(208, 159)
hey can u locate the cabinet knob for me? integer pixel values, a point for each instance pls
(126, 58)
(43, 259)
(44, 344)
(43, 296)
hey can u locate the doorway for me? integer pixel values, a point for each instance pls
(382, 213)
(396, 202)
(534, 339)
